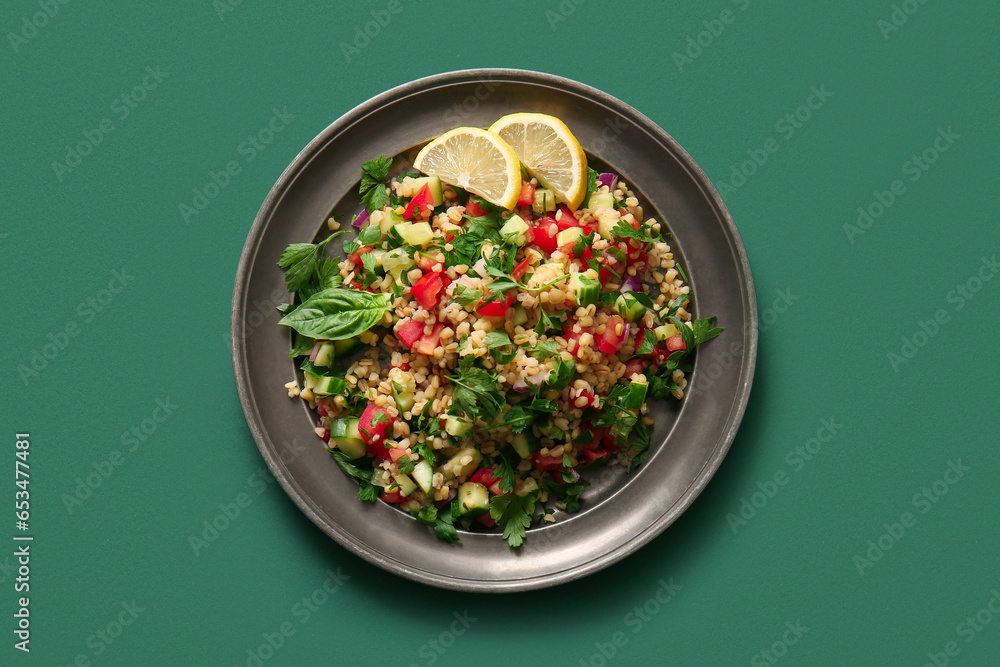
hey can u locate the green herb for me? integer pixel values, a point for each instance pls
(680, 270)
(367, 492)
(513, 514)
(547, 322)
(370, 235)
(586, 240)
(368, 260)
(625, 231)
(705, 330)
(500, 346)
(516, 418)
(543, 405)
(563, 373)
(424, 451)
(466, 296)
(648, 343)
(372, 189)
(592, 185)
(440, 521)
(476, 394)
(509, 460)
(302, 262)
(544, 350)
(405, 464)
(337, 313)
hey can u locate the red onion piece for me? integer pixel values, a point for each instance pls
(520, 386)
(312, 355)
(633, 284)
(361, 219)
(441, 503)
(610, 180)
(538, 378)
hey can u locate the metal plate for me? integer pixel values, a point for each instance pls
(619, 513)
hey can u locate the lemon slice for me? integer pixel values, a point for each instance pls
(549, 152)
(478, 161)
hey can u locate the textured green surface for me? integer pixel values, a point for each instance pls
(852, 297)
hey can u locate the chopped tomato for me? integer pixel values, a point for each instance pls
(527, 195)
(473, 209)
(592, 400)
(497, 308)
(633, 366)
(521, 268)
(373, 428)
(356, 256)
(546, 230)
(394, 497)
(546, 462)
(409, 332)
(426, 263)
(591, 455)
(567, 219)
(395, 453)
(486, 520)
(427, 289)
(422, 203)
(568, 249)
(675, 343)
(609, 341)
(572, 338)
(429, 342)
(613, 269)
(484, 476)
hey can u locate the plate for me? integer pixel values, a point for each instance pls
(619, 513)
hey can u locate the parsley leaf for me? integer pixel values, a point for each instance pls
(405, 464)
(476, 394)
(513, 514)
(703, 330)
(500, 346)
(648, 341)
(302, 261)
(592, 185)
(509, 460)
(372, 189)
(563, 373)
(544, 350)
(625, 231)
(367, 492)
(370, 235)
(440, 521)
(466, 296)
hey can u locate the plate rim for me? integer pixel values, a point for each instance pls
(239, 348)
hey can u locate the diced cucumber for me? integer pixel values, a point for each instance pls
(381, 477)
(520, 316)
(308, 380)
(345, 346)
(327, 386)
(406, 485)
(568, 236)
(529, 485)
(584, 290)
(630, 308)
(403, 388)
(525, 444)
(606, 221)
(379, 256)
(634, 396)
(457, 426)
(383, 220)
(666, 331)
(436, 195)
(516, 227)
(346, 435)
(419, 234)
(324, 355)
(454, 468)
(473, 499)
(423, 474)
(396, 261)
(544, 201)
(601, 200)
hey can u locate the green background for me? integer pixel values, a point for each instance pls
(834, 303)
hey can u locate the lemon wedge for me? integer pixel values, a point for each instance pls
(476, 160)
(549, 152)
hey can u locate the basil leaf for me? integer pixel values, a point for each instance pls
(337, 313)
